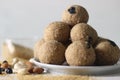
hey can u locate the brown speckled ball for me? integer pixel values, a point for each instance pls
(83, 31)
(59, 31)
(80, 53)
(52, 52)
(107, 52)
(37, 47)
(75, 14)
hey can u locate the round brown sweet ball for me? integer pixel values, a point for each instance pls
(52, 52)
(37, 47)
(75, 14)
(80, 53)
(59, 31)
(107, 52)
(83, 31)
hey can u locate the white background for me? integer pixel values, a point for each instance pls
(28, 18)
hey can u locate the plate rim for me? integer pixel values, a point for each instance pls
(76, 67)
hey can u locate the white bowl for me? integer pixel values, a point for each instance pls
(79, 70)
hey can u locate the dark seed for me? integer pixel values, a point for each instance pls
(0, 70)
(90, 40)
(112, 43)
(9, 71)
(72, 10)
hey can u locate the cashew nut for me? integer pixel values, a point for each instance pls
(19, 67)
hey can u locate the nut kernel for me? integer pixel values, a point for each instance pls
(4, 65)
(38, 70)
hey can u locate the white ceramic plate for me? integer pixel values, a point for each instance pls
(85, 70)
